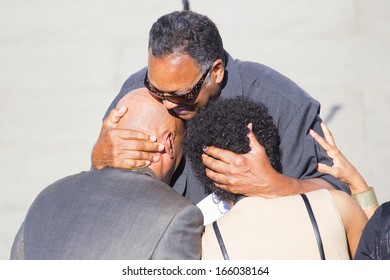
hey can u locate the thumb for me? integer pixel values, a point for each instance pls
(254, 144)
(114, 117)
(323, 168)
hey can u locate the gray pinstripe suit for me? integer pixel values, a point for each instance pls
(110, 214)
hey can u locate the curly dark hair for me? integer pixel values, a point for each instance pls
(190, 33)
(223, 124)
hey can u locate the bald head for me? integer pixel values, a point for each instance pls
(146, 114)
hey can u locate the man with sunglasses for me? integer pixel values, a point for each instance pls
(187, 68)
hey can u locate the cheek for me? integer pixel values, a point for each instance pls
(203, 99)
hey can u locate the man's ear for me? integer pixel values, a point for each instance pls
(168, 140)
(219, 70)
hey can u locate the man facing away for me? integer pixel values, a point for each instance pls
(116, 213)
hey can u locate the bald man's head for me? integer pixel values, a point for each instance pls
(146, 114)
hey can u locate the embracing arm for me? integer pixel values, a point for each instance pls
(252, 174)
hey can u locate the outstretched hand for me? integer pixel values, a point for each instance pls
(123, 148)
(249, 174)
(341, 168)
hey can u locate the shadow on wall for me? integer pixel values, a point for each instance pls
(332, 113)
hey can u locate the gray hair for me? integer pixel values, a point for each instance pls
(189, 33)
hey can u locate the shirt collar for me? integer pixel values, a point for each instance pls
(145, 170)
(232, 86)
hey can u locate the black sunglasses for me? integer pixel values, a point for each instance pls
(187, 98)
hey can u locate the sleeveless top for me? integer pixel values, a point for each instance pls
(278, 229)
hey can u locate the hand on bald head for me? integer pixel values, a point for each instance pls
(146, 114)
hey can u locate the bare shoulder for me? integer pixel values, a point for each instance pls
(341, 196)
(346, 205)
(343, 200)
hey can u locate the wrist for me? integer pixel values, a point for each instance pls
(358, 185)
(366, 199)
(279, 183)
(96, 163)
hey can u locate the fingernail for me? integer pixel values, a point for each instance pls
(147, 162)
(204, 148)
(160, 148)
(120, 109)
(155, 159)
(153, 138)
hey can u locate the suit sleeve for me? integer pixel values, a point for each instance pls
(182, 237)
(17, 251)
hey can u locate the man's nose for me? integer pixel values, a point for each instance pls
(169, 105)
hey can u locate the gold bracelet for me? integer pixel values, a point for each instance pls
(366, 199)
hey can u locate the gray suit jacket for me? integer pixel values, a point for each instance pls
(110, 214)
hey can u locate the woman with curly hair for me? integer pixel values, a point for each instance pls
(319, 224)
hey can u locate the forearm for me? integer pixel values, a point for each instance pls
(357, 184)
(282, 185)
